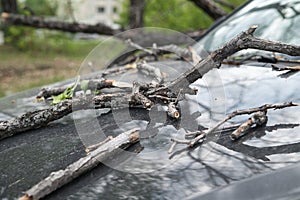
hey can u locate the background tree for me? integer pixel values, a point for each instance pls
(181, 15)
(136, 13)
(9, 6)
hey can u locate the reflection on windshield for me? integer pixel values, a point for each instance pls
(277, 20)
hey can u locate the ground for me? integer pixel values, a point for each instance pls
(21, 70)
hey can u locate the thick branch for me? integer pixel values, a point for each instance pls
(39, 22)
(39, 118)
(258, 119)
(245, 40)
(59, 178)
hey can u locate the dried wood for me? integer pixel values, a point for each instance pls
(173, 111)
(245, 40)
(59, 178)
(40, 118)
(258, 118)
(151, 71)
(93, 84)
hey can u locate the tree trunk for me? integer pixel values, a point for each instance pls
(9, 6)
(136, 13)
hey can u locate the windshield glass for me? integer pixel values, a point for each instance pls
(277, 20)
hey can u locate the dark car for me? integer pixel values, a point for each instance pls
(218, 168)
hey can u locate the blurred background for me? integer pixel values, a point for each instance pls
(31, 56)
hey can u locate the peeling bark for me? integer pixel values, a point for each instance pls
(40, 118)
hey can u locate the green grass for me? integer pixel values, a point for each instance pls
(25, 69)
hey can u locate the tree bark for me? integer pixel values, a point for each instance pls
(211, 8)
(136, 13)
(245, 40)
(146, 95)
(39, 22)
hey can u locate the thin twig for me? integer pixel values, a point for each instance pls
(139, 47)
(263, 108)
(171, 149)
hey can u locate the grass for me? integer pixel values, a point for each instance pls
(22, 70)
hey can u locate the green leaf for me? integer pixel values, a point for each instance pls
(67, 94)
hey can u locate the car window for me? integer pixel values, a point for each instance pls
(277, 20)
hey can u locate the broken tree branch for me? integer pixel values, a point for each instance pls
(59, 178)
(245, 40)
(40, 118)
(38, 22)
(92, 84)
(263, 108)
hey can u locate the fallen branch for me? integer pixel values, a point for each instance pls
(95, 146)
(173, 111)
(59, 178)
(142, 96)
(185, 53)
(258, 119)
(40, 118)
(38, 22)
(151, 71)
(92, 84)
(245, 40)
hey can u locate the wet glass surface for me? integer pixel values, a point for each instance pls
(27, 158)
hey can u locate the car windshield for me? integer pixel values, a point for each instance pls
(276, 19)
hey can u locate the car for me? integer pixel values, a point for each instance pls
(214, 169)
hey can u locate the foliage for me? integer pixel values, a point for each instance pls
(41, 8)
(67, 94)
(181, 15)
(26, 38)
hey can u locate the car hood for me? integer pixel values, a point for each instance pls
(27, 158)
